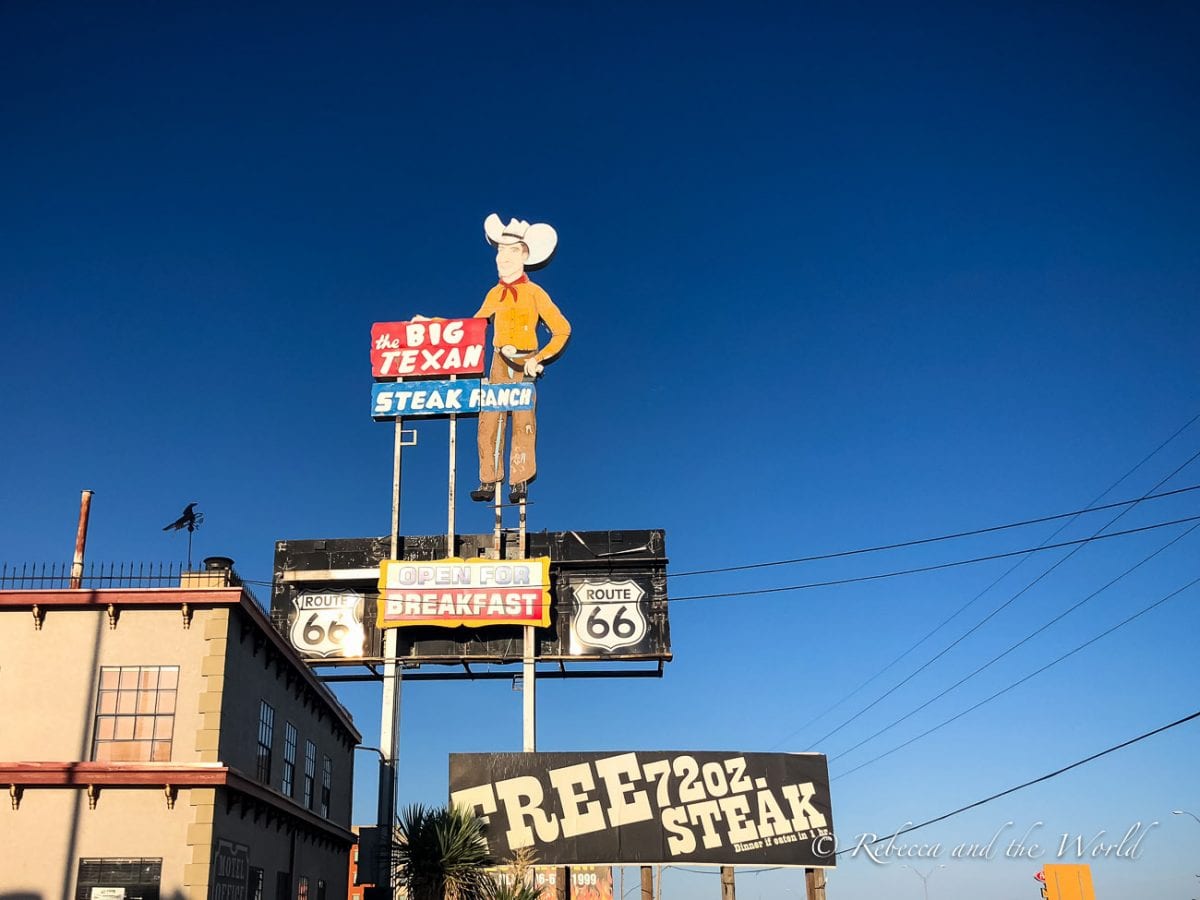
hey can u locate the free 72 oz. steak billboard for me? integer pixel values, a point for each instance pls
(651, 806)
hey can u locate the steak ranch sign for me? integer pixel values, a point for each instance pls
(643, 807)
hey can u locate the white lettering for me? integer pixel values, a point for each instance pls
(680, 839)
(799, 800)
(620, 774)
(574, 821)
(383, 403)
(522, 800)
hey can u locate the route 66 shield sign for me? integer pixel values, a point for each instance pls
(608, 614)
(327, 623)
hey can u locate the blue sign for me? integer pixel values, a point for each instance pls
(465, 397)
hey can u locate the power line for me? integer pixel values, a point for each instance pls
(1021, 681)
(1039, 630)
(1097, 534)
(1004, 575)
(913, 571)
(899, 545)
(1090, 508)
(1046, 777)
(1012, 790)
(840, 554)
(933, 568)
(899, 572)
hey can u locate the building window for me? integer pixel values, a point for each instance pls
(137, 877)
(320, 889)
(135, 713)
(266, 735)
(256, 883)
(310, 772)
(302, 888)
(289, 760)
(326, 784)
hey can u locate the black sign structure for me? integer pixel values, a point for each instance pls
(608, 589)
(643, 807)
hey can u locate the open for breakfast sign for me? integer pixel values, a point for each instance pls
(472, 592)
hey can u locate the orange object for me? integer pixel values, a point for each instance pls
(1068, 881)
(515, 310)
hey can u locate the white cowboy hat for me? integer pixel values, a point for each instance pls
(541, 239)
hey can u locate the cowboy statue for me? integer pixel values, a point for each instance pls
(516, 306)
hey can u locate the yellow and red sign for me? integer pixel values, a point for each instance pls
(471, 592)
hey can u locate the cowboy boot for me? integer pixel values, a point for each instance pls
(485, 493)
(518, 492)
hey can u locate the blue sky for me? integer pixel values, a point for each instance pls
(838, 277)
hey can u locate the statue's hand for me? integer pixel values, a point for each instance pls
(533, 368)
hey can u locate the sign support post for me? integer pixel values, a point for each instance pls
(528, 664)
(728, 892)
(389, 718)
(453, 472)
(814, 884)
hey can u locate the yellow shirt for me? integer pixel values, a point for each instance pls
(515, 321)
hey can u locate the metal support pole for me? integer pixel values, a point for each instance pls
(728, 892)
(529, 690)
(498, 503)
(450, 542)
(85, 509)
(528, 661)
(814, 884)
(389, 718)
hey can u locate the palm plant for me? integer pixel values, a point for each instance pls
(515, 890)
(440, 853)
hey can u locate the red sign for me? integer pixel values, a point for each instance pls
(431, 348)
(472, 592)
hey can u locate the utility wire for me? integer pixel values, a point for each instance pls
(914, 543)
(933, 568)
(1046, 777)
(1021, 681)
(740, 870)
(946, 621)
(1012, 790)
(898, 572)
(1091, 507)
(902, 544)
(1039, 630)
(840, 554)
(1098, 534)
(913, 571)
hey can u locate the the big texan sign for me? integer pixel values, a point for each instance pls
(642, 807)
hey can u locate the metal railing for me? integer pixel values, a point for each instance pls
(57, 576)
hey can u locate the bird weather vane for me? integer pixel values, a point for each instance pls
(191, 520)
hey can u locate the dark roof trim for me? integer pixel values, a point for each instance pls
(23, 775)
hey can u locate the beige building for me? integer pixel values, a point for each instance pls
(166, 744)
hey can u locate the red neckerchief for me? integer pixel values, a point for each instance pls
(510, 287)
